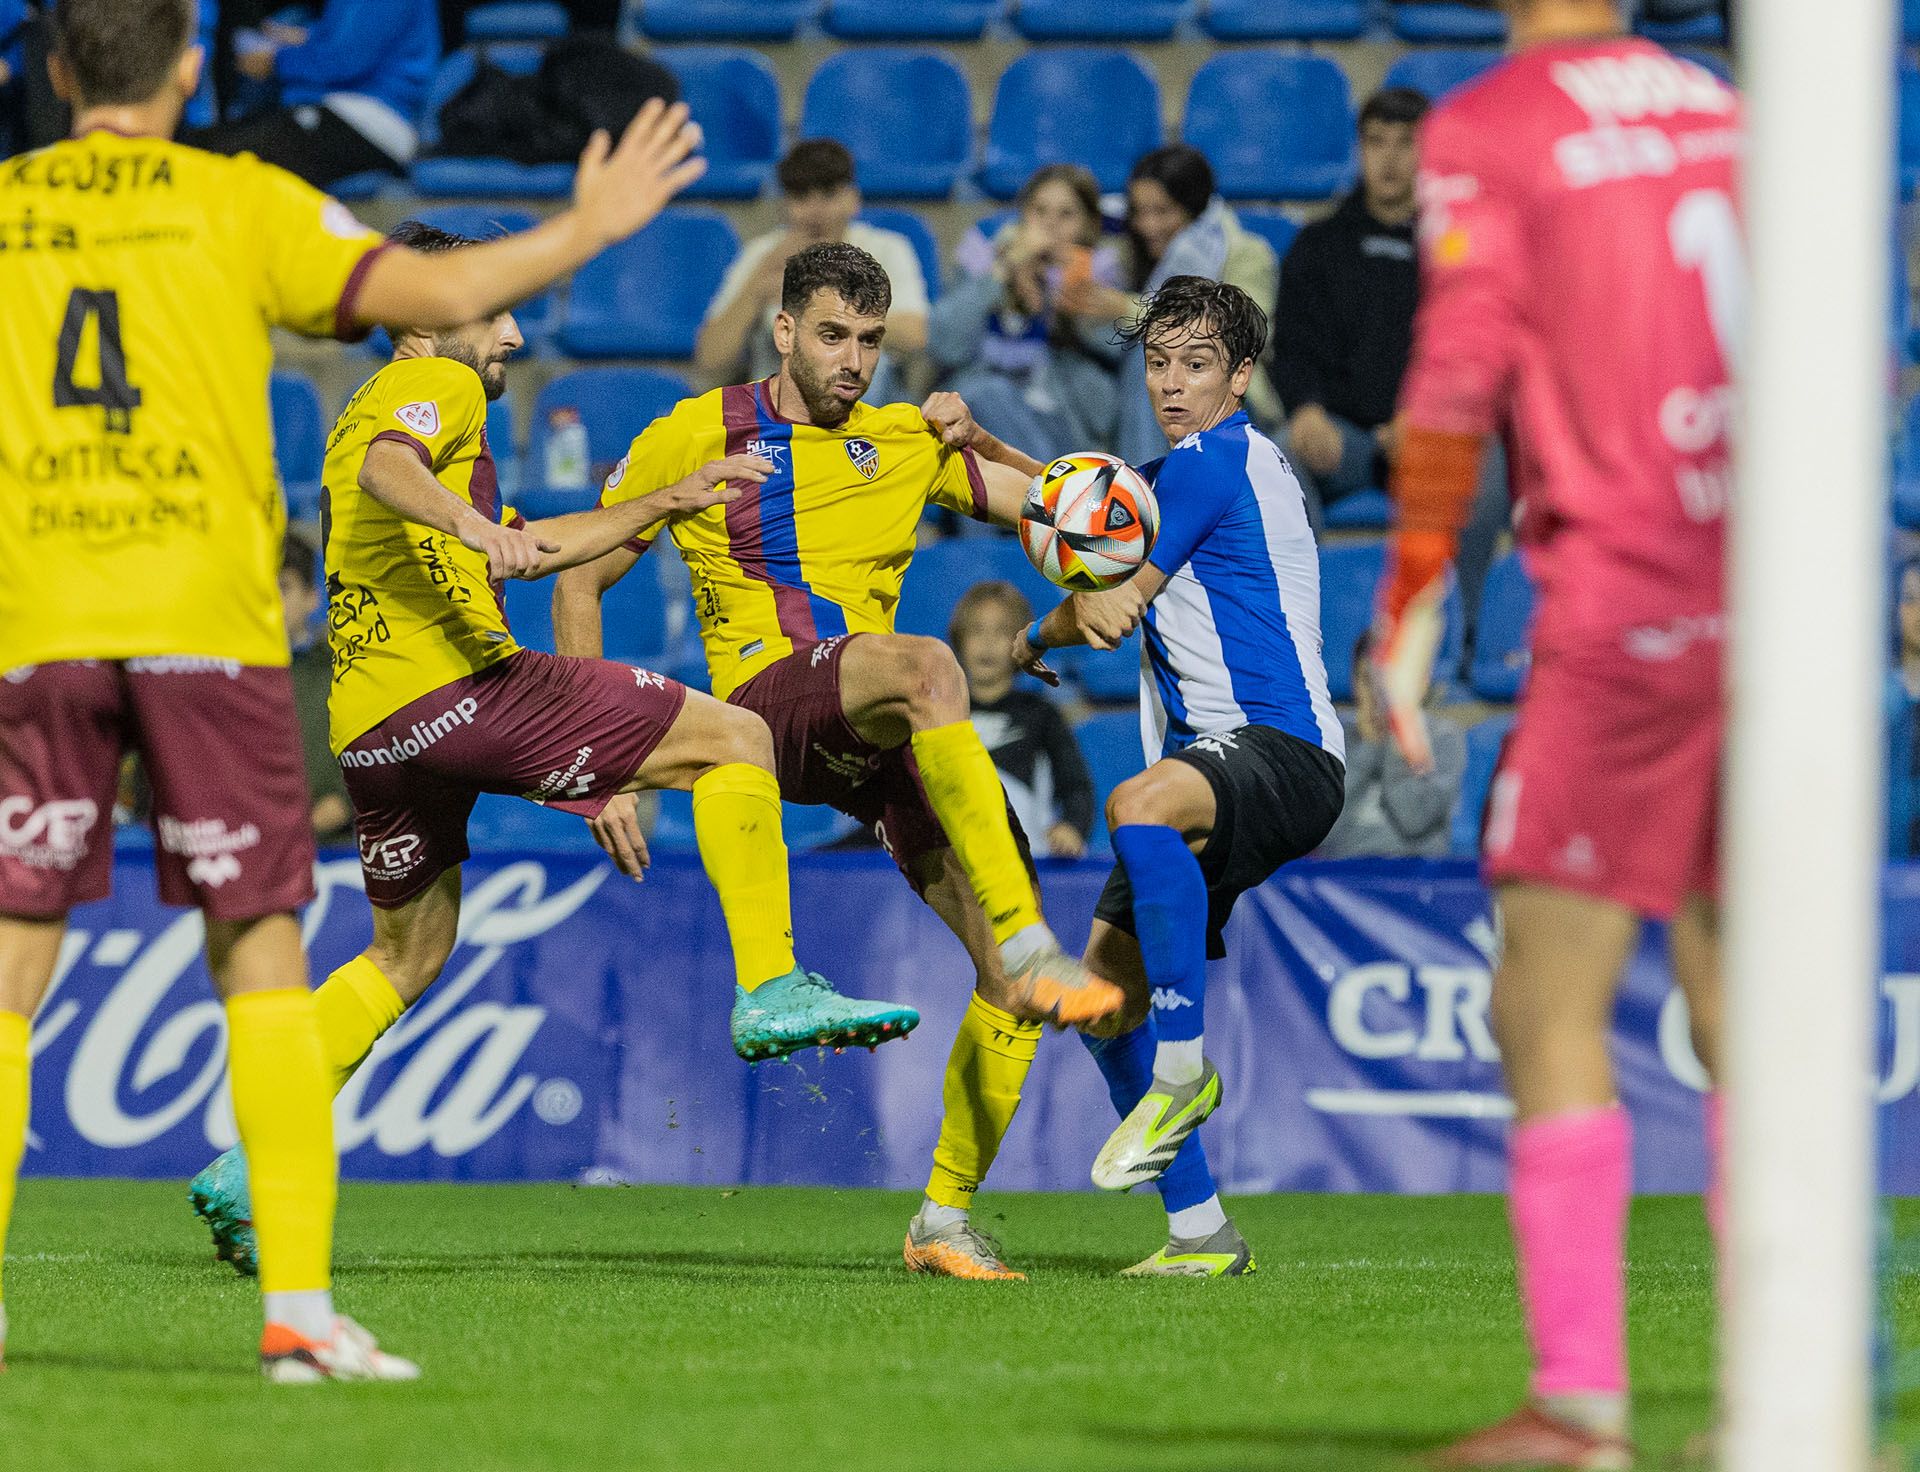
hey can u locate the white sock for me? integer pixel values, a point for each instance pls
(1604, 1413)
(1178, 1063)
(309, 1313)
(1020, 947)
(935, 1216)
(1197, 1222)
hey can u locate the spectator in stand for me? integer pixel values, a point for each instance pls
(1033, 748)
(819, 199)
(14, 18)
(1176, 226)
(312, 672)
(1903, 718)
(1041, 376)
(1392, 811)
(350, 87)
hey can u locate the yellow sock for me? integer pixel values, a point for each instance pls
(14, 1068)
(357, 1004)
(985, 1071)
(281, 1103)
(736, 822)
(965, 791)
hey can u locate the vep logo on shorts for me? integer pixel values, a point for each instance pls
(392, 858)
(51, 835)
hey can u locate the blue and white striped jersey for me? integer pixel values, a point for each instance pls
(1233, 639)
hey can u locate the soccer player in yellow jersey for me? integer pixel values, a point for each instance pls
(796, 584)
(140, 528)
(433, 703)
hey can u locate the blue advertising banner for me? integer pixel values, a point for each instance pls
(580, 1033)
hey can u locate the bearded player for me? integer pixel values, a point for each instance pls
(796, 585)
(140, 535)
(433, 703)
(1583, 286)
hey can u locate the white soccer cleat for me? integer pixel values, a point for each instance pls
(290, 1358)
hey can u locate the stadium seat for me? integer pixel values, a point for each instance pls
(1097, 20)
(1431, 20)
(644, 297)
(363, 186)
(1909, 129)
(1906, 479)
(1274, 124)
(735, 98)
(481, 177)
(1362, 511)
(1500, 651)
(1910, 21)
(513, 825)
(1277, 229)
(1110, 742)
(942, 572)
(916, 20)
(725, 20)
(1285, 20)
(517, 20)
(1706, 28)
(633, 617)
(529, 604)
(1349, 579)
(615, 404)
(1041, 116)
(925, 246)
(1105, 677)
(299, 436)
(503, 443)
(1484, 742)
(1437, 72)
(906, 117)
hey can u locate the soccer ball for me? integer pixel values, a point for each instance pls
(1089, 521)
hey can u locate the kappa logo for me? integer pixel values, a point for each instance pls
(214, 870)
(421, 418)
(1218, 742)
(1166, 999)
(865, 456)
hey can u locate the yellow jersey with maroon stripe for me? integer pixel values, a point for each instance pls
(409, 608)
(140, 512)
(821, 547)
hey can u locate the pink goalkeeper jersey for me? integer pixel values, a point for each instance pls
(1583, 285)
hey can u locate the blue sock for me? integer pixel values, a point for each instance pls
(1126, 1062)
(1170, 922)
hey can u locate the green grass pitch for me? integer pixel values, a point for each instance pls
(606, 1330)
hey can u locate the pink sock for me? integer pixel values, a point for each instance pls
(1716, 1198)
(1572, 1175)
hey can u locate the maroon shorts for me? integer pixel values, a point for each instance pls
(566, 733)
(820, 759)
(1610, 783)
(221, 745)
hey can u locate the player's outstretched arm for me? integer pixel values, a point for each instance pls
(582, 536)
(618, 189)
(1100, 619)
(395, 477)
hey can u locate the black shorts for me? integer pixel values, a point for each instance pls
(1275, 799)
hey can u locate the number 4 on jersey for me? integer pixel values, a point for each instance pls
(110, 391)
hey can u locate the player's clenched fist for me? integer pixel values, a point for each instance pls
(619, 187)
(949, 417)
(510, 552)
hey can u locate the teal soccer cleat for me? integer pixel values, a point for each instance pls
(802, 1010)
(220, 1199)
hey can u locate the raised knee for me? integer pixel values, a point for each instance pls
(742, 737)
(1142, 799)
(930, 680)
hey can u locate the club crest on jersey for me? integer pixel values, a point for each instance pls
(865, 456)
(421, 418)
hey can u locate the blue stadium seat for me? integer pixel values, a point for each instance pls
(1041, 115)
(1097, 20)
(1906, 478)
(735, 98)
(1483, 757)
(633, 617)
(517, 20)
(644, 297)
(725, 20)
(942, 572)
(1110, 742)
(615, 404)
(530, 611)
(482, 177)
(1436, 73)
(514, 825)
(925, 246)
(915, 20)
(1435, 20)
(1105, 677)
(1285, 20)
(368, 185)
(906, 117)
(1272, 226)
(1703, 29)
(1349, 578)
(1362, 511)
(535, 315)
(1274, 124)
(299, 435)
(1909, 129)
(1910, 21)
(1500, 651)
